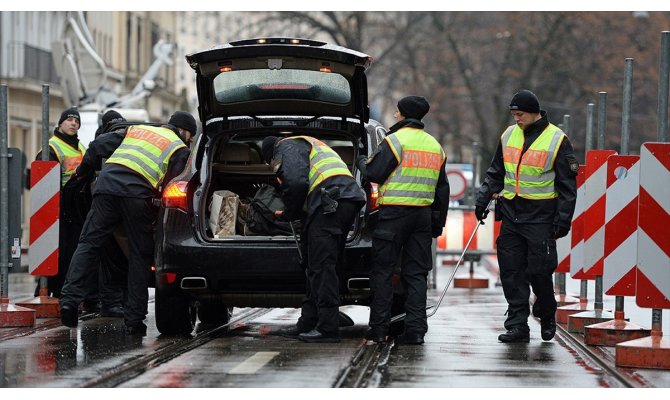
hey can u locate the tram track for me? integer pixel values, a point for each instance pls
(367, 365)
(117, 375)
(605, 360)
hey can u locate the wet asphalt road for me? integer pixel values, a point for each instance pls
(461, 351)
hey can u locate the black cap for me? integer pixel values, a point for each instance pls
(110, 118)
(69, 113)
(413, 107)
(184, 120)
(525, 100)
(268, 148)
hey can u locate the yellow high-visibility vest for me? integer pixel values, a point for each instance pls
(531, 176)
(68, 157)
(413, 181)
(324, 162)
(147, 151)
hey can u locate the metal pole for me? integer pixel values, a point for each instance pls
(589, 128)
(664, 79)
(602, 119)
(44, 289)
(583, 284)
(602, 127)
(627, 105)
(4, 196)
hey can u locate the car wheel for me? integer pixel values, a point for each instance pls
(174, 314)
(214, 312)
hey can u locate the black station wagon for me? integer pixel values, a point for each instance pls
(248, 90)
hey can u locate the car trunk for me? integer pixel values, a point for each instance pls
(237, 173)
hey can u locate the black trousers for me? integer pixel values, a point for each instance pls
(407, 239)
(68, 237)
(527, 258)
(107, 211)
(326, 236)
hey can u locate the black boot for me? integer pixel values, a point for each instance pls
(314, 336)
(515, 335)
(548, 327)
(376, 335)
(291, 332)
(68, 316)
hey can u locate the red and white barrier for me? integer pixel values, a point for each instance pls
(44, 218)
(653, 256)
(594, 214)
(577, 229)
(623, 182)
(458, 230)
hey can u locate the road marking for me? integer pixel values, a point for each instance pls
(254, 363)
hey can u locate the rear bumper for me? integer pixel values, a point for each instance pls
(247, 271)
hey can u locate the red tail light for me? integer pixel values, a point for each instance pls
(174, 195)
(374, 196)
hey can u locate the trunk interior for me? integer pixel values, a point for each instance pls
(237, 173)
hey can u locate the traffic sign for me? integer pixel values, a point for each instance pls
(457, 184)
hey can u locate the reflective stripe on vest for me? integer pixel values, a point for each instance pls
(531, 176)
(68, 157)
(324, 162)
(147, 151)
(413, 181)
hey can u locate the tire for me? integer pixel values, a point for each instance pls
(174, 314)
(214, 312)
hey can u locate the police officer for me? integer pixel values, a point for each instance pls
(312, 175)
(535, 168)
(64, 147)
(139, 160)
(414, 199)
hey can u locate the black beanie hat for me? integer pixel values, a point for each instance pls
(525, 100)
(70, 112)
(413, 107)
(111, 116)
(268, 148)
(184, 120)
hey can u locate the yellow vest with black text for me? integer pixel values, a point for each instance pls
(147, 151)
(413, 181)
(324, 162)
(68, 157)
(531, 176)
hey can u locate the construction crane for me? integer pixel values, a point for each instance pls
(84, 77)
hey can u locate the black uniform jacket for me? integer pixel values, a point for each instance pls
(382, 164)
(118, 180)
(291, 158)
(553, 211)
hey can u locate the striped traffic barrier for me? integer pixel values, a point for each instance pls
(45, 179)
(653, 259)
(459, 228)
(620, 259)
(594, 237)
(577, 253)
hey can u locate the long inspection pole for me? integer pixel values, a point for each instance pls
(460, 260)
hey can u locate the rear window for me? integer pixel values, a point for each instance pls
(276, 84)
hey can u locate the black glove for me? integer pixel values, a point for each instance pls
(560, 231)
(481, 213)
